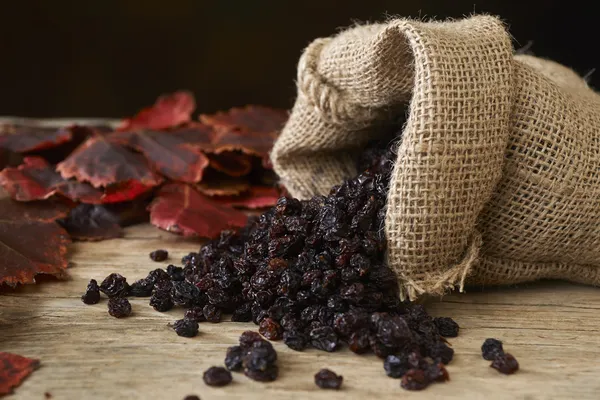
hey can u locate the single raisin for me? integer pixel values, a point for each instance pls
(414, 379)
(92, 293)
(191, 397)
(491, 348)
(270, 329)
(161, 301)
(248, 338)
(295, 340)
(324, 338)
(114, 285)
(327, 379)
(505, 363)
(212, 313)
(186, 327)
(119, 307)
(217, 376)
(233, 358)
(446, 326)
(159, 255)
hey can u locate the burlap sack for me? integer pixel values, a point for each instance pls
(497, 177)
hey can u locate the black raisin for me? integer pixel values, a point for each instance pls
(92, 293)
(119, 307)
(491, 348)
(446, 326)
(141, 288)
(159, 255)
(233, 358)
(217, 376)
(186, 327)
(212, 313)
(114, 285)
(505, 363)
(327, 379)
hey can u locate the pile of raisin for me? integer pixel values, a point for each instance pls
(312, 274)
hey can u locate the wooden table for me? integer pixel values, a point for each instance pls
(552, 328)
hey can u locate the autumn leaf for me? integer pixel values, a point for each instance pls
(88, 222)
(23, 139)
(255, 197)
(181, 209)
(13, 370)
(30, 246)
(35, 179)
(103, 162)
(168, 111)
(167, 153)
(252, 129)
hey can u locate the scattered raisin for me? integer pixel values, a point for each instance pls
(505, 363)
(217, 376)
(186, 327)
(119, 307)
(114, 285)
(248, 338)
(92, 293)
(191, 397)
(327, 379)
(212, 313)
(233, 358)
(159, 255)
(414, 379)
(491, 348)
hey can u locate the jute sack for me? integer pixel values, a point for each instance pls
(497, 176)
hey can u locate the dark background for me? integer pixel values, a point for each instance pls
(109, 58)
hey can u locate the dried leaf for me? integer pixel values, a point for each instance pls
(88, 222)
(13, 370)
(9, 158)
(167, 153)
(30, 247)
(23, 139)
(168, 111)
(35, 179)
(255, 197)
(251, 129)
(231, 163)
(181, 209)
(102, 163)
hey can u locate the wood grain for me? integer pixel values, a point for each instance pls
(552, 328)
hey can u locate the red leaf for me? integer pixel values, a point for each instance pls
(167, 153)
(256, 197)
(22, 139)
(30, 247)
(13, 370)
(119, 192)
(168, 111)
(102, 163)
(251, 129)
(230, 163)
(88, 222)
(180, 209)
(36, 180)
